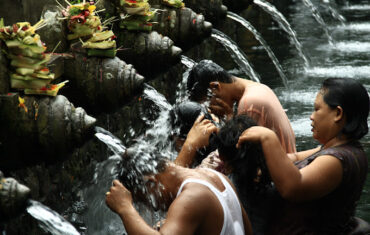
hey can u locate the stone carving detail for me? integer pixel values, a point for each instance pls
(13, 197)
(148, 52)
(101, 83)
(183, 26)
(212, 10)
(4, 73)
(40, 127)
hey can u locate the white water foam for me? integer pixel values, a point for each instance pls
(360, 27)
(340, 71)
(50, 220)
(347, 47)
(356, 8)
(302, 126)
(305, 97)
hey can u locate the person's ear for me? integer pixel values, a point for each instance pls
(215, 85)
(339, 114)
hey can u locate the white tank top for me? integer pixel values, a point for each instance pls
(233, 218)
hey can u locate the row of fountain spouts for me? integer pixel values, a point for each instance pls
(241, 59)
(13, 195)
(21, 191)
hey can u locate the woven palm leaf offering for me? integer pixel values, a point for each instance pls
(84, 24)
(174, 3)
(26, 51)
(136, 15)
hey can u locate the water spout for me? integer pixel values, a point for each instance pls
(258, 36)
(113, 143)
(13, 197)
(334, 13)
(284, 24)
(238, 55)
(182, 93)
(50, 220)
(319, 19)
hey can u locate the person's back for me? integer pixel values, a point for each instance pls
(218, 193)
(261, 104)
(254, 99)
(248, 172)
(206, 203)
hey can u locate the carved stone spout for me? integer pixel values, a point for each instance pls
(13, 197)
(4, 73)
(40, 128)
(148, 52)
(54, 33)
(101, 84)
(212, 10)
(183, 25)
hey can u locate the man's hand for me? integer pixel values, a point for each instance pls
(212, 161)
(220, 108)
(118, 197)
(198, 136)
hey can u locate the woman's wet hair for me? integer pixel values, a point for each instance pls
(352, 96)
(201, 75)
(246, 161)
(183, 116)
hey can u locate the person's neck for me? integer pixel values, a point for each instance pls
(239, 86)
(336, 141)
(172, 178)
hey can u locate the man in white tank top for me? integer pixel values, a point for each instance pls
(199, 201)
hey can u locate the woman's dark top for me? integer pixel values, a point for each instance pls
(332, 213)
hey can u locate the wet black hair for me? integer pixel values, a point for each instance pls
(137, 162)
(183, 117)
(246, 160)
(201, 75)
(352, 96)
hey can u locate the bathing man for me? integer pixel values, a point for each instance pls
(198, 201)
(209, 80)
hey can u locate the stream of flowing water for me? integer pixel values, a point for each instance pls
(258, 36)
(284, 24)
(49, 220)
(316, 14)
(235, 52)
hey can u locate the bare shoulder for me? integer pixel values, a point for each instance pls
(195, 209)
(320, 177)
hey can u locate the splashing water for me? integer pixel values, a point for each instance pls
(284, 24)
(356, 8)
(49, 220)
(359, 27)
(319, 19)
(258, 36)
(113, 143)
(158, 99)
(188, 62)
(346, 71)
(349, 47)
(238, 55)
(181, 93)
